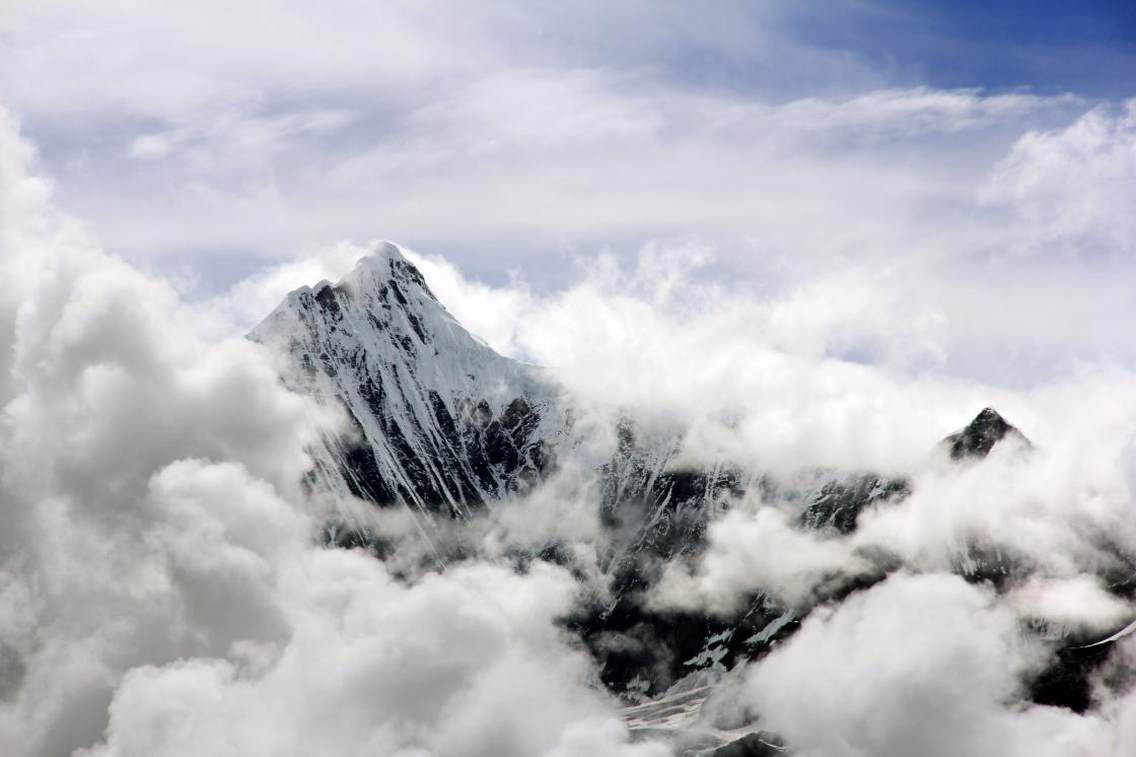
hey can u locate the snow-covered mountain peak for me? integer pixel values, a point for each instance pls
(385, 306)
(387, 266)
(448, 423)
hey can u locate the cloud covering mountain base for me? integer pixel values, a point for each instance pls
(163, 588)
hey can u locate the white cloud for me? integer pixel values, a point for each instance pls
(1076, 604)
(151, 146)
(163, 591)
(465, 664)
(1072, 188)
(756, 551)
(917, 665)
(520, 132)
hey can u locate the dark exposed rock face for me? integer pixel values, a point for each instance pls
(753, 745)
(980, 435)
(1066, 682)
(841, 500)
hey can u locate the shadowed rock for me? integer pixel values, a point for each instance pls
(753, 745)
(979, 437)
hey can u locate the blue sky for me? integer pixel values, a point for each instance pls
(1047, 45)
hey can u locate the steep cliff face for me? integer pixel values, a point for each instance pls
(978, 438)
(444, 424)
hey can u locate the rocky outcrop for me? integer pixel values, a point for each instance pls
(980, 435)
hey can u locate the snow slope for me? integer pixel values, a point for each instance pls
(444, 423)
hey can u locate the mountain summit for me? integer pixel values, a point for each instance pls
(980, 435)
(443, 423)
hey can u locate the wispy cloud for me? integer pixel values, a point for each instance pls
(514, 132)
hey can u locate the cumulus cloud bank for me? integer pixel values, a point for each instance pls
(917, 665)
(162, 588)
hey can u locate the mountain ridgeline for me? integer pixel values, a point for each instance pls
(443, 423)
(445, 426)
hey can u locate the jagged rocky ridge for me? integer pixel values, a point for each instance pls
(443, 423)
(444, 426)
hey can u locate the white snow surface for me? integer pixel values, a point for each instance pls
(379, 342)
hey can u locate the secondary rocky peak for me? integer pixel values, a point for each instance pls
(981, 434)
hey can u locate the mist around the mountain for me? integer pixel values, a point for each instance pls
(163, 590)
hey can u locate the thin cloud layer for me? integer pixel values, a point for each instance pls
(1071, 187)
(519, 131)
